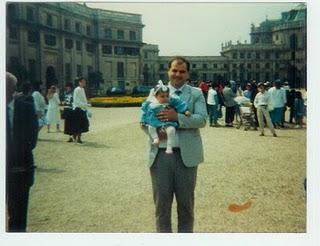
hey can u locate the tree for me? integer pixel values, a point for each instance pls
(94, 79)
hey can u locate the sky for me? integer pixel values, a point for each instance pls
(197, 28)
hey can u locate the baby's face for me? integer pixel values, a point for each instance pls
(163, 97)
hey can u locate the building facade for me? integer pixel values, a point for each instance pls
(58, 42)
(278, 49)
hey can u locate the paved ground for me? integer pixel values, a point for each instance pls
(104, 184)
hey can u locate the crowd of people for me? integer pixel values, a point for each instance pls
(229, 95)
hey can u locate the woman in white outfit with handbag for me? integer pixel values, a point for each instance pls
(53, 113)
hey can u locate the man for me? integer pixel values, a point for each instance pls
(175, 174)
(21, 134)
(229, 103)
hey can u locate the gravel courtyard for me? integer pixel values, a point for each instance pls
(104, 185)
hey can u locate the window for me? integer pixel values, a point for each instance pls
(249, 65)
(12, 11)
(78, 27)
(119, 50)
(234, 65)
(90, 69)
(277, 66)
(257, 55)
(267, 65)
(241, 55)
(162, 67)
(50, 40)
(120, 34)
(107, 49)
(49, 20)
(68, 43)
(68, 71)
(90, 47)
(78, 45)
(267, 55)
(67, 24)
(277, 55)
(249, 76)
(204, 76)
(131, 51)
(204, 66)
(267, 76)
(145, 55)
(277, 36)
(30, 14)
(241, 65)
(257, 76)
(79, 70)
(14, 61)
(33, 36)
(234, 56)
(249, 55)
(257, 65)
(32, 69)
(194, 65)
(215, 65)
(120, 69)
(108, 33)
(13, 33)
(225, 66)
(88, 30)
(133, 35)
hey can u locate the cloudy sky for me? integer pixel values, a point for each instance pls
(197, 28)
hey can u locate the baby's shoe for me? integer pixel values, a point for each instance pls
(156, 141)
(169, 150)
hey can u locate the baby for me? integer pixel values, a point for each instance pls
(159, 100)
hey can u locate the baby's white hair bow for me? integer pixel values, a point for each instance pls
(161, 86)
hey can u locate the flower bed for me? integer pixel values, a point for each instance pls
(120, 101)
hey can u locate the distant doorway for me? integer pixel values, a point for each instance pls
(50, 76)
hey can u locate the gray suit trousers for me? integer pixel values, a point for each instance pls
(170, 177)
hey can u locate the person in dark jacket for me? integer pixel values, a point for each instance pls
(21, 139)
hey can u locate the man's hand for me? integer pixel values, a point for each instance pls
(168, 115)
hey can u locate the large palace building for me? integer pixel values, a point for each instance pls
(58, 42)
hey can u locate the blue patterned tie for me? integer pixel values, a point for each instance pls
(178, 93)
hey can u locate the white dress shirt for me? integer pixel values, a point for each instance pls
(262, 99)
(212, 92)
(79, 98)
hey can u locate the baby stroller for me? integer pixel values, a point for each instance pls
(247, 118)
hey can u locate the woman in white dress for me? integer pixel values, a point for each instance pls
(53, 113)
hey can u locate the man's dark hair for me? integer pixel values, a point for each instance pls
(180, 60)
(81, 78)
(26, 88)
(68, 84)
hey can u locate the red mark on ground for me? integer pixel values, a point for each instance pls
(238, 208)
